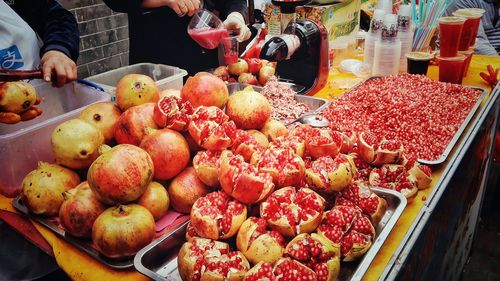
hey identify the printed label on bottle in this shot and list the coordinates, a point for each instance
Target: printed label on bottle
(404, 23)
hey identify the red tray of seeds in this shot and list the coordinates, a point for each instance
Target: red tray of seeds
(426, 116)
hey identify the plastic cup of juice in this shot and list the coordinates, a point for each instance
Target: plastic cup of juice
(230, 47)
(451, 69)
(468, 54)
(471, 26)
(206, 29)
(418, 62)
(450, 29)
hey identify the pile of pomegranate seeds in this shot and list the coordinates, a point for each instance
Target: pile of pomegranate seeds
(282, 99)
(421, 113)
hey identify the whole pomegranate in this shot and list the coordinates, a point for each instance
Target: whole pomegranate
(185, 189)
(131, 127)
(80, 209)
(239, 67)
(265, 73)
(123, 230)
(259, 137)
(248, 109)
(136, 89)
(222, 72)
(155, 199)
(43, 188)
(168, 150)
(75, 143)
(104, 116)
(205, 89)
(16, 97)
(121, 174)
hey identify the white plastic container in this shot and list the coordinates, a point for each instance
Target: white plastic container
(166, 77)
(388, 49)
(372, 36)
(23, 144)
(405, 34)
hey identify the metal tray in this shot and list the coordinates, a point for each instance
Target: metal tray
(120, 264)
(158, 260)
(314, 104)
(460, 130)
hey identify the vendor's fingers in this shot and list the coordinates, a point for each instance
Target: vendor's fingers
(47, 70)
(190, 7)
(177, 8)
(60, 75)
(183, 7)
(70, 72)
(194, 6)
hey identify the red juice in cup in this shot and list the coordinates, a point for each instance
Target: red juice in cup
(208, 38)
(230, 46)
(471, 26)
(451, 69)
(468, 54)
(450, 29)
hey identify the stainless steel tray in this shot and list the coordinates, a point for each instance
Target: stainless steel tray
(460, 130)
(120, 264)
(158, 260)
(314, 104)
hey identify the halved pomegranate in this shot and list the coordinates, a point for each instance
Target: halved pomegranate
(323, 142)
(422, 174)
(395, 177)
(190, 232)
(362, 167)
(245, 145)
(286, 168)
(206, 163)
(285, 269)
(327, 174)
(376, 151)
(243, 181)
(318, 253)
(349, 139)
(259, 244)
(173, 113)
(359, 194)
(293, 212)
(295, 143)
(217, 216)
(211, 129)
(205, 259)
(348, 229)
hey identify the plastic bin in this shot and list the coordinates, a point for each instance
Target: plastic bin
(24, 144)
(166, 77)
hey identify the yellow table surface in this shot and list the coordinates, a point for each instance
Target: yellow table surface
(80, 266)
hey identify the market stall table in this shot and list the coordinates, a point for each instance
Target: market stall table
(415, 234)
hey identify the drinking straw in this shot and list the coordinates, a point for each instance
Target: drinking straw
(426, 18)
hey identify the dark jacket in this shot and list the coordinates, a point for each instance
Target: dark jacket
(160, 36)
(55, 25)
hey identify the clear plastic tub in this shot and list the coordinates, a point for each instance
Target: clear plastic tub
(24, 144)
(166, 77)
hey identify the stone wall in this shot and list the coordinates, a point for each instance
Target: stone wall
(104, 41)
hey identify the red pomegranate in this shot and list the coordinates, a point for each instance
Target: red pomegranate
(123, 230)
(285, 167)
(239, 67)
(362, 167)
(222, 72)
(173, 113)
(205, 259)
(359, 194)
(193, 146)
(274, 129)
(80, 209)
(395, 177)
(259, 137)
(155, 199)
(131, 126)
(206, 163)
(104, 116)
(211, 129)
(190, 232)
(323, 142)
(136, 89)
(217, 216)
(293, 212)
(296, 144)
(285, 269)
(246, 145)
(376, 151)
(168, 150)
(349, 139)
(185, 189)
(243, 181)
(259, 244)
(121, 174)
(205, 89)
(422, 174)
(248, 109)
(170, 92)
(316, 252)
(349, 230)
(329, 175)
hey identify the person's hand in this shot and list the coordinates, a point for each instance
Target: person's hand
(236, 22)
(180, 7)
(61, 65)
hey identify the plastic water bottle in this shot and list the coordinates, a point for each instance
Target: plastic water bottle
(385, 5)
(405, 34)
(388, 48)
(372, 36)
